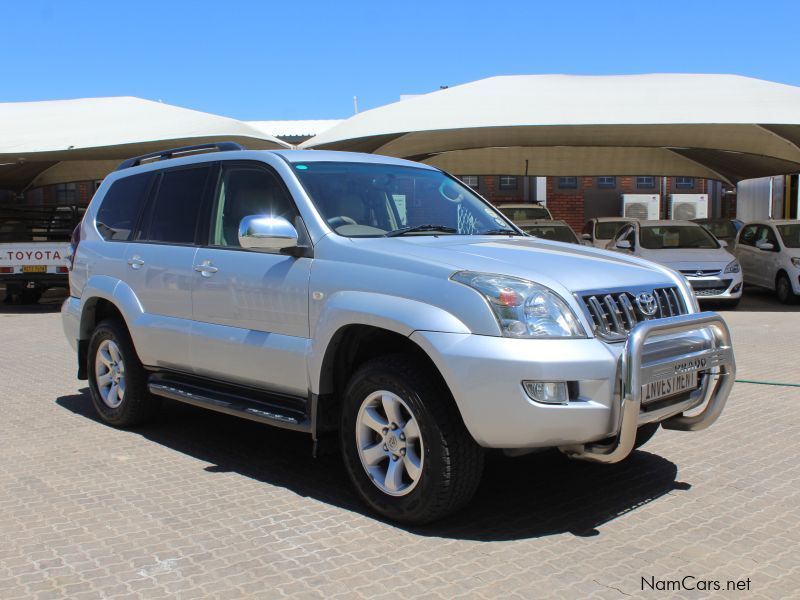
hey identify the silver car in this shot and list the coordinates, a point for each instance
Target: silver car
(382, 306)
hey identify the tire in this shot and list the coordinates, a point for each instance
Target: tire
(110, 345)
(31, 296)
(783, 289)
(439, 450)
(645, 433)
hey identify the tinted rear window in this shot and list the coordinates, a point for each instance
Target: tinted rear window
(117, 215)
(172, 216)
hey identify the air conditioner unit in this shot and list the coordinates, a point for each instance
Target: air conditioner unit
(684, 207)
(646, 207)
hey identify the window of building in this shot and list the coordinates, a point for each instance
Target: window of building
(567, 183)
(508, 182)
(606, 182)
(174, 211)
(66, 193)
(646, 183)
(684, 182)
(117, 215)
(471, 180)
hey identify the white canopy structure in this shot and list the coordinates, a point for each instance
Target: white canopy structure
(71, 140)
(722, 127)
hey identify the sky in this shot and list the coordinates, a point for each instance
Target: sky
(268, 60)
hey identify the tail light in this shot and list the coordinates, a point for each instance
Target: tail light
(74, 240)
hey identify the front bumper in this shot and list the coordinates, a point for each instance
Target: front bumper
(715, 384)
(726, 286)
(485, 375)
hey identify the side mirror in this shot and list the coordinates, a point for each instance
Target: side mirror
(723, 243)
(766, 246)
(623, 245)
(586, 236)
(263, 232)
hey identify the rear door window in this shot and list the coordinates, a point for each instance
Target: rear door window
(171, 217)
(121, 206)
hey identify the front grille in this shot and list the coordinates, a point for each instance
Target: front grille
(711, 291)
(710, 288)
(614, 314)
(700, 272)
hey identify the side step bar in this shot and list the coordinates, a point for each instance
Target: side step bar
(239, 402)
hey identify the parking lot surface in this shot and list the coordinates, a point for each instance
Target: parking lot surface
(203, 505)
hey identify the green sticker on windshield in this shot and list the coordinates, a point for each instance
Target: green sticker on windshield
(301, 167)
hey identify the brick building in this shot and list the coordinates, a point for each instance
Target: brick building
(577, 199)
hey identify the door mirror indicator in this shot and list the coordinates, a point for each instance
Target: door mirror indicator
(623, 245)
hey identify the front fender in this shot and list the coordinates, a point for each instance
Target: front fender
(399, 315)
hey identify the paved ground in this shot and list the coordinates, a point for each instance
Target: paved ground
(202, 505)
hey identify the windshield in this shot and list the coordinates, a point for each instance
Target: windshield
(790, 234)
(721, 229)
(605, 230)
(559, 233)
(524, 213)
(370, 200)
(661, 237)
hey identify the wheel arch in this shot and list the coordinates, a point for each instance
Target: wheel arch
(351, 346)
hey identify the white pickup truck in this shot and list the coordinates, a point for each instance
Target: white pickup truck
(34, 249)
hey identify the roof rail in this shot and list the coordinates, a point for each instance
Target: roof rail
(166, 154)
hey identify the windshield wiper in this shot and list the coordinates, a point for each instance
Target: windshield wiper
(498, 232)
(416, 228)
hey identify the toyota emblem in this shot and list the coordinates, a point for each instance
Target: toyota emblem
(699, 274)
(647, 304)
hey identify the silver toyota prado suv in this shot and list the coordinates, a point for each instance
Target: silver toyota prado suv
(382, 304)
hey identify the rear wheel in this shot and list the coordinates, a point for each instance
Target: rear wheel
(404, 444)
(783, 289)
(117, 380)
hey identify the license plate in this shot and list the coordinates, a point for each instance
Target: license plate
(34, 269)
(668, 386)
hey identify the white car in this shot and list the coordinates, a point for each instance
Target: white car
(684, 246)
(598, 232)
(769, 252)
(525, 212)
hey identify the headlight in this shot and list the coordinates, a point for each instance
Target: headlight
(524, 309)
(796, 262)
(733, 267)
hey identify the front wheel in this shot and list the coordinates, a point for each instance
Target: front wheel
(783, 289)
(645, 433)
(404, 444)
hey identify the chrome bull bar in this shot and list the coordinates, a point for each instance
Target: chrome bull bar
(716, 387)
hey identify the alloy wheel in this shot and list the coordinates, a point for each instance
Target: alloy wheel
(389, 443)
(109, 373)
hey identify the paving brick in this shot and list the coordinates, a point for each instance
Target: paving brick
(202, 505)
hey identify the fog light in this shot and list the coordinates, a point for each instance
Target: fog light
(547, 392)
(736, 288)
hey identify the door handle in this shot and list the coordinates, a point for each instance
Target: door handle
(135, 262)
(205, 268)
